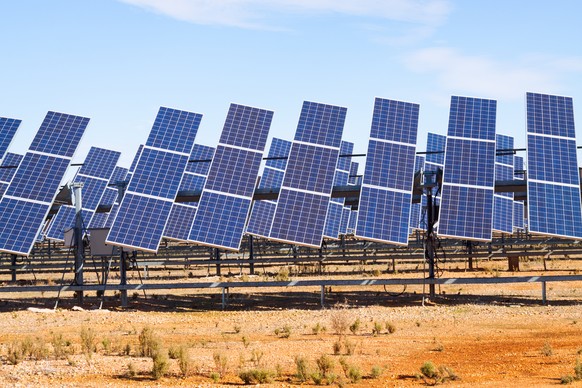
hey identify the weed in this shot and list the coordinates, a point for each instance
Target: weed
(278, 370)
(215, 376)
(221, 363)
(340, 320)
(106, 342)
(547, 349)
(236, 329)
(355, 327)
(433, 375)
(59, 346)
(324, 364)
(376, 372)
(350, 347)
(578, 370)
(14, 355)
(131, 372)
(282, 275)
(429, 369)
(390, 327)
(337, 347)
(127, 349)
(149, 344)
(318, 329)
(161, 364)
(302, 369)
(174, 352)
(376, 273)
(568, 379)
(354, 374)
(256, 357)
(256, 376)
(317, 378)
(439, 348)
(245, 341)
(377, 329)
(87, 342)
(344, 364)
(283, 332)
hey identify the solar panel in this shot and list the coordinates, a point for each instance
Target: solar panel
(503, 202)
(336, 205)
(9, 164)
(466, 210)
(386, 194)
(416, 208)
(518, 206)
(8, 128)
(308, 180)
(142, 215)
(226, 199)
(110, 198)
(262, 212)
(182, 214)
(553, 181)
(94, 175)
(29, 197)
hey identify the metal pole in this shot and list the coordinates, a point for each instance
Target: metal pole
(78, 239)
(123, 276)
(322, 296)
(429, 250)
(13, 269)
(470, 254)
(251, 256)
(544, 301)
(217, 257)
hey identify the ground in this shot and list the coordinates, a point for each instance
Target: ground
(490, 335)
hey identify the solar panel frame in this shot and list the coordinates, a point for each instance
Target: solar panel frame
(466, 208)
(308, 181)
(8, 128)
(155, 181)
(386, 191)
(553, 181)
(226, 198)
(23, 213)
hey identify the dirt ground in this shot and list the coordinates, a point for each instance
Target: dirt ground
(494, 335)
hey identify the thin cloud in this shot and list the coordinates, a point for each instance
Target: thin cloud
(479, 75)
(255, 14)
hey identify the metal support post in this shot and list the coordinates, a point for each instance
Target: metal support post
(470, 254)
(251, 255)
(13, 269)
(322, 296)
(123, 276)
(217, 258)
(544, 295)
(430, 243)
(78, 239)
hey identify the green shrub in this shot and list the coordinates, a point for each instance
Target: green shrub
(59, 346)
(547, 349)
(215, 376)
(390, 327)
(337, 347)
(324, 364)
(340, 320)
(283, 332)
(87, 341)
(578, 370)
(429, 369)
(568, 379)
(14, 355)
(161, 364)
(377, 329)
(355, 327)
(317, 378)
(256, 376)
(375, 372)
(350, 347)
(354, 374)
(131, 372)
(149, 344)
(317, 329)
(221, 363)
(302, 368)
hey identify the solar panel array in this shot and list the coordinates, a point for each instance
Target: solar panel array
(109, 198)
(29, 197)
(182, 213)
(466, 210)
(386, 193)
(9, 164)
(226, 199)
(263, 212)
(8, 128)
(416, 208)
(335, 211)
(146, 206)
(308, 181)
(553, 181)
(503, 202)
(94, 175)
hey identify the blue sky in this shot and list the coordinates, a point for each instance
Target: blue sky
(118, 61)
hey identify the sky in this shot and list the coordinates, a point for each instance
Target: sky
(118, 61)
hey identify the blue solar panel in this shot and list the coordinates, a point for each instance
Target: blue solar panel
(352, 221)
(94, 175)
(9, 163)
(518, 215)
(518, 168)
(553, 182)
(354, 178)
(227, 196)
(503, 202)
(109, 197)
(29, 197)
(386, 194)
(8, 128)
(333, 220)
(142, 215)
(308, 181)
(466, 209)
(182, 214)
(262, 212)
(435, 147)
(345, 219)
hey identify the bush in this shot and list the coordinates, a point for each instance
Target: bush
(14, 355)
(161, 365)
(324, 364)
(377, 329)
(131, 372)
(568, 379)
(437, 375)
(354, 374)
(337, 347)
(350, 347)
(318, 329)
(283, 332)
(428, 369)
(282, 275)
(340, 320)
(547, 349)
(215, 376)
(221, 363)
(87, 341)
(256, 376)
(375, 372)
(578, 370)
(317, 378)
(59, 346)
(390, 327)
(355, 327)
(149, 345)
(302, 369)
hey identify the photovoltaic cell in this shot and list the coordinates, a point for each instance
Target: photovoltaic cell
(262, 212)
(308, 181)
(94, 175)
(333, 222)
(503, 202)
(142, 215)
(9, 164)
(8, 128)
(466, 210)
(227, 195)
(182, 214)
(386, 194)
(553, 181)
(29, 196)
